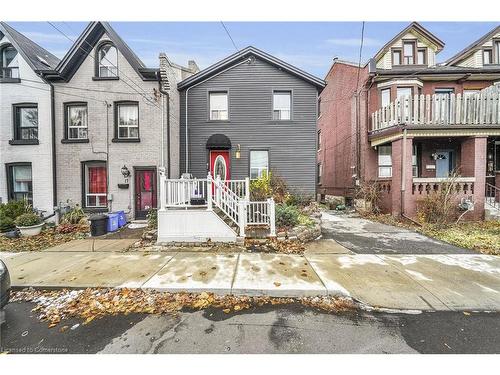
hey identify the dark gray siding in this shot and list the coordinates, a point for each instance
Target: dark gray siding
(291, 144)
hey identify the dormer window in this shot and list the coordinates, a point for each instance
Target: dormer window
(107, 58)
(409, 53)
(422, 56)
(9, 63)
(487, 56)
(497, 52)
(396, 57)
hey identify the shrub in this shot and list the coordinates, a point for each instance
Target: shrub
(269, 185)
(6, 224)
(28, 219)
(13, 209)
(370, 192)
(74, 216)
(152, 217)
(440, 207)
(286, 215)
(301, 200)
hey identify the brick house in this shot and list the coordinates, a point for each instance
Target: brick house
(407, 122)
(110, 137)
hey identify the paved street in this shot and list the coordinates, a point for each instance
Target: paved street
(293, 329)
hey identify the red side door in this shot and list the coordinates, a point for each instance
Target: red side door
(219, 164)
(145, 191)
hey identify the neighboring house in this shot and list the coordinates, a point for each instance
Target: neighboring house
(241, 118)
(109, 131)
(407, 122)
(248, 114)
(26, 148)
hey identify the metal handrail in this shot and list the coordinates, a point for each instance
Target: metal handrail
(492, 196)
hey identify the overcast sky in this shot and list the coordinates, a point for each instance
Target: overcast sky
(308, 45)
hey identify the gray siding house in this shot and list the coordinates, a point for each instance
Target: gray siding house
(247, 114)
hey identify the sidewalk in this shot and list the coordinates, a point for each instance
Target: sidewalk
(422, 282)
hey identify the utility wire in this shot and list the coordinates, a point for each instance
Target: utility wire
(143, 93)
(229, 35)
(360, 55)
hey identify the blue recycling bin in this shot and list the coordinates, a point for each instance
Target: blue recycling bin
(122, 219)
(112, 222)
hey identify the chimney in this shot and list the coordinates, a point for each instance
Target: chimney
(193, 66)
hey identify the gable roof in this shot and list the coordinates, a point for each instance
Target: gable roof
(472, 47)
(85, 43)
(242, 55)
(38, 58)
(414, 26)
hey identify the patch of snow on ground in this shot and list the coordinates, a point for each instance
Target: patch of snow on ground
(418, 275)
(329, 217)
(360, 260)
(478, 263)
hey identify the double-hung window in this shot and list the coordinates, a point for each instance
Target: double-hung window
(385, 161)
(259, 163)
(25, 122)
(422, 56)
(20, 183)
(497, 52)
(319, 140)
(487, 56)
(95, 180)
(385, 97)
(127, 120)
(218, 103)
(409, 53)
(76, 121)
(282, 105)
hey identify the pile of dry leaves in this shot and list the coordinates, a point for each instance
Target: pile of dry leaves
(89, 304)
(275, 246)
(48, 238)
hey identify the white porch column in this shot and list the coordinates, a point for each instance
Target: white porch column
(163, 192)
(272, 217)
(209, 192)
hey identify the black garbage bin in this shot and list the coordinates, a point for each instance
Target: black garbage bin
(98, 225)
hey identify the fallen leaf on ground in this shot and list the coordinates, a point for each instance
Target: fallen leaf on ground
(277, 283)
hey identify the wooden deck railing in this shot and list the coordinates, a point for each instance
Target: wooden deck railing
(482, 108)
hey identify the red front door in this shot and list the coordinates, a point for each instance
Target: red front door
(145, 191)
(219, 164)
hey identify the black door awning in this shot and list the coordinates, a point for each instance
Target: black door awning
(218, 142)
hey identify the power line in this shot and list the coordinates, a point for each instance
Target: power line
(360, 54)
(229, 35)
(143, 93)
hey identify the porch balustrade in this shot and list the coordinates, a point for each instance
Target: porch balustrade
(231, 197)
(482, 108)
(425, 186)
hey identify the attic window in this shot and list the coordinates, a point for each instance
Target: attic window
(8, 62)
(487, 56)
(422, 56)
(107, 58)
(409, 53)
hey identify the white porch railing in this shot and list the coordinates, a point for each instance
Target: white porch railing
(482, 108)
(232, 197)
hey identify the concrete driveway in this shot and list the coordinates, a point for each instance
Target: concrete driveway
(367, 237)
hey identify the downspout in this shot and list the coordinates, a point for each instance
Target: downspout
(403, 174)
(165, 96)
(186, 104)
(54, 154)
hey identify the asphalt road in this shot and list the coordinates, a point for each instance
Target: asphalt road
(367, 237)
(293, 329)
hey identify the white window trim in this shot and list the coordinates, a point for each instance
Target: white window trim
(384, 166)
(280, 111)
(97, 195)
(127, 126)
(69, 126)
(259, 169)
(219, 112)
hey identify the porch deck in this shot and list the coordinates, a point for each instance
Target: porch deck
(181, 200)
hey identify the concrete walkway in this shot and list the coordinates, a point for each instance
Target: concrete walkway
(422, 282)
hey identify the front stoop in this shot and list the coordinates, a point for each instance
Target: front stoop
(195, 225)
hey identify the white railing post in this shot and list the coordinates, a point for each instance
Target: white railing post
(217, 190)
(242, 216)
(209, 192)
(247, 189)
(163, 190)
(272, 217)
